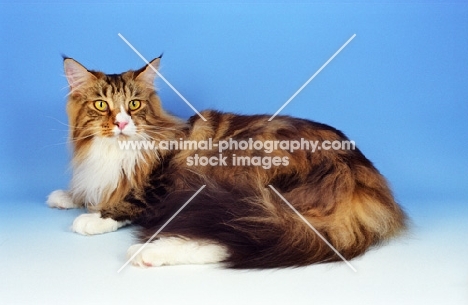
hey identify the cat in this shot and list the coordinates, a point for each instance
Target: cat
(237, 219)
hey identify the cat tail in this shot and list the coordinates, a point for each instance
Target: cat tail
(260, 230)
(352, 208)
(253, 227)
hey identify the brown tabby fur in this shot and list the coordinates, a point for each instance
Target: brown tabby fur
(339, 192)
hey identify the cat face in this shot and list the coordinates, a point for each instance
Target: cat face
(120, 106)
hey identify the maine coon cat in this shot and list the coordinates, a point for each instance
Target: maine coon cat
(236, 219)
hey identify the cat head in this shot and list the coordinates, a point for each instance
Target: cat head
(117, 106)
(104, 109)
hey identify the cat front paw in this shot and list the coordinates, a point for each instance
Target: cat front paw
(61, 199)
(93, 223)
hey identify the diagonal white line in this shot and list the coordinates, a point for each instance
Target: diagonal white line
(312, 77)
(160, 229)
(313, 229)
(162, 77)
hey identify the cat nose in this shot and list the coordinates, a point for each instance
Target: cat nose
(121, 125)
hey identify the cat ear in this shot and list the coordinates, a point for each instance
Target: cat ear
(148, 73)
(76, 74)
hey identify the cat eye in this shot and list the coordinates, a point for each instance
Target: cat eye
(101, 105)
(134, 105)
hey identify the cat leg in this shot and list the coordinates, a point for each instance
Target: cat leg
(93, 223)
(177, 251)
(61, 199)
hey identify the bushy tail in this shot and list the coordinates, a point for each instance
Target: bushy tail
(261, 231)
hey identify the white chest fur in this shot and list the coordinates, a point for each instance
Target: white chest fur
(98, 173)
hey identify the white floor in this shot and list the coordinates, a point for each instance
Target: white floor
(42, 262)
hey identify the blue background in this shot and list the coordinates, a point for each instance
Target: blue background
(399, 89)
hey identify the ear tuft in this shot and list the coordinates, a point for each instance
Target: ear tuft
(148, 73)
(76, 74)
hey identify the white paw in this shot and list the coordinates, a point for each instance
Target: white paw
(91, 224)
(176, 251)
(61, 200)
(147, 257)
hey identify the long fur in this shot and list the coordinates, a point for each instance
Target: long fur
(339, 192)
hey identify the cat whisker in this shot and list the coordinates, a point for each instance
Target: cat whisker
(158, 127)
(71, 141)
(65, 124)
(84, 137)
(155, 133)
(53, 145)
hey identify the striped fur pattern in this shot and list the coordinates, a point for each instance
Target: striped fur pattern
(339, 192)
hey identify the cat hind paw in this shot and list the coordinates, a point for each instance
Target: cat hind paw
(145, 255)
(176, 251)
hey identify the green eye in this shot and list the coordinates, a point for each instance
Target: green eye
(134, 105)
(101, 105)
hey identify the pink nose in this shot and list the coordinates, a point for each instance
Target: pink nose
(121, 125)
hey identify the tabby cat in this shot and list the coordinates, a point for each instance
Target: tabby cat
(237, 219)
